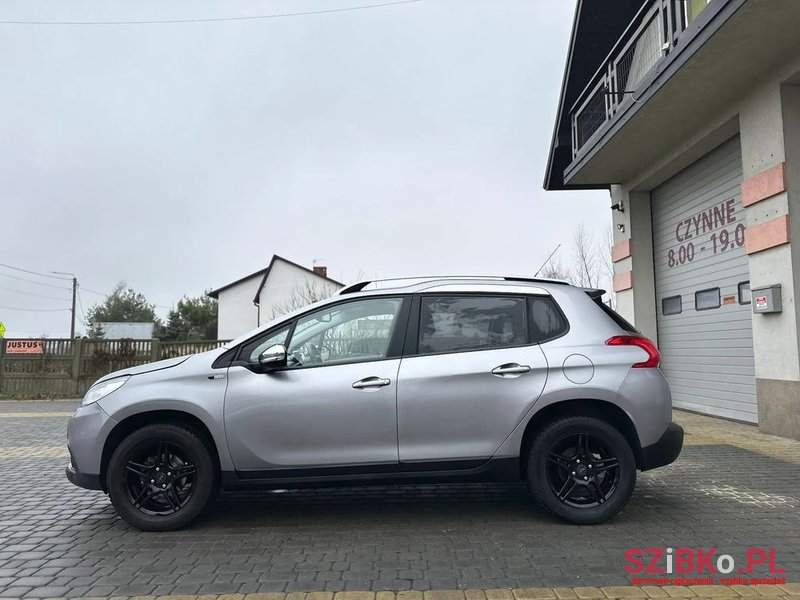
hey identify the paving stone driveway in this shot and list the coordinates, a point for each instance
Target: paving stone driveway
(58, 540)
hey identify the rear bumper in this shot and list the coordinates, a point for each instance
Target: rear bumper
(665, 450)
(90, 482)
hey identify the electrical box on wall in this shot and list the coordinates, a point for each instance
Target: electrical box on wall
(767, 299)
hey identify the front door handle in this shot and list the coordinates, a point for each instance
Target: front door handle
(371, 382)
(510, 369)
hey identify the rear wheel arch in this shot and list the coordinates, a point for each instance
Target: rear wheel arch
(599, 409)
(173, 417)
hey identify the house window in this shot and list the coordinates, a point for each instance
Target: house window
(694, 8)
(706, 299)
(671, 306)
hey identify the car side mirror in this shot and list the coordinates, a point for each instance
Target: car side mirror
(273, 357)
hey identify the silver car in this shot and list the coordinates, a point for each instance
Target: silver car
(395, 381)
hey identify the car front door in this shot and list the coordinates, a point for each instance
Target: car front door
(334, 405)
(467, 379)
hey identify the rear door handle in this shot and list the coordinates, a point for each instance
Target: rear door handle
(510, 369)
(371, 382)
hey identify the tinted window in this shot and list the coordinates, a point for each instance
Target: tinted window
(547, 321)
(671, 305)
(350, 332)
(706, 299)
(458, 323)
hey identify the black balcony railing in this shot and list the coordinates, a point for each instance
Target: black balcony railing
(650, 36)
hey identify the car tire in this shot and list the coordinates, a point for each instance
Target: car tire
(161, 477)
(582, 469)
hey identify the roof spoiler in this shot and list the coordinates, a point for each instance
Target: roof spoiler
(593, 293)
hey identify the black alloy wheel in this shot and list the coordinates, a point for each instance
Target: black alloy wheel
(161, 477)
(582, 469)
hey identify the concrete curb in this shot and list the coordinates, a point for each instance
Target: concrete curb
(787, 591)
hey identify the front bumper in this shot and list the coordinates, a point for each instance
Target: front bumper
(87, 431)
(665, 450)
(90, 482)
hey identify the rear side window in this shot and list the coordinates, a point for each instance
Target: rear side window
(546, 319)
(614, 316)
(461, 323)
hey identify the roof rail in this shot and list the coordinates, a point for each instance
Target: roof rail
(360, 285)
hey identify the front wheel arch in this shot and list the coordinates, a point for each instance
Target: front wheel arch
(172, 417)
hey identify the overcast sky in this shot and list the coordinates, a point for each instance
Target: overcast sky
(401, 140)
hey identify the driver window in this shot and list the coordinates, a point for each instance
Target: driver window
(351, 332)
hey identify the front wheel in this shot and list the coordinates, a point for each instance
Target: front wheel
(161, 477)
(582, 469)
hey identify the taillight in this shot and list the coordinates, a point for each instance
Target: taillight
(653, 356)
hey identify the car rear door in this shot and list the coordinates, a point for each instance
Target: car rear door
(468, 376)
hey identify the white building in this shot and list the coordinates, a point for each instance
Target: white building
(130, 331)
(261, 296)
(689, 113)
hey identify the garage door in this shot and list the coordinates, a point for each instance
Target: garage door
(702, 287)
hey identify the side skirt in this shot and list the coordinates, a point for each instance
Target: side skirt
(495, 470)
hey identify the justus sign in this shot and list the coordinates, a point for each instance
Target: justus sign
(24, 346)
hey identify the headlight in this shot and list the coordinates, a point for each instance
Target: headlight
(101, 390)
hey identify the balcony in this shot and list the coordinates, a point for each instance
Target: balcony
(648, 39)
(669, 89)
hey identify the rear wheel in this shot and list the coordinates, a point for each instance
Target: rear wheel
(161, 477)
(582, 469)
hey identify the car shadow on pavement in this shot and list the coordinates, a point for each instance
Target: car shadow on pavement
(375, 503)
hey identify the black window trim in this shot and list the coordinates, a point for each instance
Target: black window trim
(749, 299)
(665, 298)
(412, 337)
(394, 352)
(615, 317)
(711, 289)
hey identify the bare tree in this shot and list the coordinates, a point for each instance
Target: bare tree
(554, 270)
(302, 295)
(585, 259)
(590, 264)
(607, 264)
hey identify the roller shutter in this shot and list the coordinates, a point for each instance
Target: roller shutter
(704, 330)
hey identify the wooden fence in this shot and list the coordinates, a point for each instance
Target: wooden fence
(66, 368)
